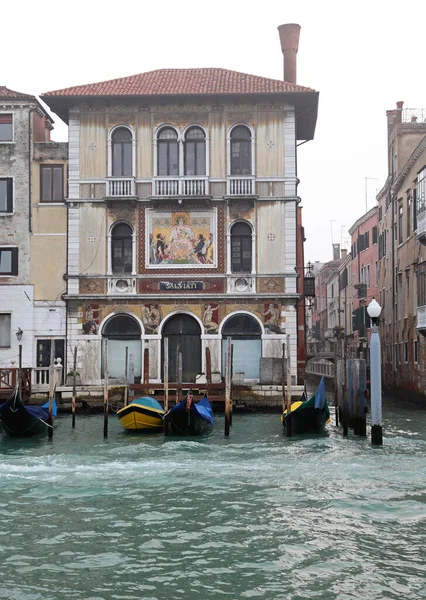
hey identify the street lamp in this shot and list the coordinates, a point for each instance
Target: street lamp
(19, 334)
(374, 309)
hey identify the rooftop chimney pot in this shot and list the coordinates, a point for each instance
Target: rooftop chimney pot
(400, 104)
(289, 38)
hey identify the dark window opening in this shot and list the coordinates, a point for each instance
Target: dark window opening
(241, 151)
(6, 195)
(51, 183)
(6, 127)
(241, 248)
(168, 153)
(122, 153)
(195, 152)
(121, 249)
(122, 327)
(8, 261)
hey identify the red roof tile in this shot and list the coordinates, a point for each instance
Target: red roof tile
(176, 82)
(11, 95)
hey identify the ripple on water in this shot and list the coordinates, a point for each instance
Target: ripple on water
(255, 515)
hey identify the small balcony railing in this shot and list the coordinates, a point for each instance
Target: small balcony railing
(180, 186)
(117, 187)
(421, 318)
(421, 227)
(240, 186)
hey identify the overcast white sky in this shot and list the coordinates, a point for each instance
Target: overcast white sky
(362, 57)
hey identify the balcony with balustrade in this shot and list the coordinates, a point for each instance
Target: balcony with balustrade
(172, 187)
(121, 187)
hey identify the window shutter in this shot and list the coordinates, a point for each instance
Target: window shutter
(414, 209)
(10, 194)
(14, 261)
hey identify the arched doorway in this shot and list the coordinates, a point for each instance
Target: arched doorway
(184, 331)
(245, 333)
(122, 331)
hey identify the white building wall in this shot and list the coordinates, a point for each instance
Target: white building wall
(18, 300)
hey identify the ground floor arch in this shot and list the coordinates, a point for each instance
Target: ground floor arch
(122, 330)
(246, 338)
(183, 332)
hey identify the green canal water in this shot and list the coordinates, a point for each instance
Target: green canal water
(252, 516)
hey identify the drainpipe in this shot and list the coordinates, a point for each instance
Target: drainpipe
(30, 166)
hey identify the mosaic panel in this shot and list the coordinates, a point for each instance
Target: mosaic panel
(93, 286)
(181, 230)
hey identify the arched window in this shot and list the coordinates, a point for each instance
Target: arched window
(241, 248)
(121, 249)
(168, 153)
(240, 151)
(195, 152)
(122, 153)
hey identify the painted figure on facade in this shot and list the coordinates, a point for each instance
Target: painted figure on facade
(181, 239)
(272, 322)
(198, 248)
(207, 251)
(152, 249)
(160, 249)
(208, 322)
(151, 318)
(90, 326)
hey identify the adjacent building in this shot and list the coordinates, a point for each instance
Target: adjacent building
(32, 231)
(183, 218)
(402, 255)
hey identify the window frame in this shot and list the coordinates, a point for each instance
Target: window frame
(14, 261)
(121, 239)
(241, 238)
(250, 142)
(52, 166)
(9, 195)
(117, 143)
(9, 314)
(12, 140)
(167, 143)
(196, 143)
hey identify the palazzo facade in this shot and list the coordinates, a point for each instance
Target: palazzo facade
(183, 220)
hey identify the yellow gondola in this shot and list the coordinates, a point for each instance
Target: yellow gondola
(142, 414)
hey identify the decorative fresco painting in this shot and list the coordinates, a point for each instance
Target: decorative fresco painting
(182, 239)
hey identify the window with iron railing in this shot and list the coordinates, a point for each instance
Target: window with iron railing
(421, 191)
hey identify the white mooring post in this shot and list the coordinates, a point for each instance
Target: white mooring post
(374, 309)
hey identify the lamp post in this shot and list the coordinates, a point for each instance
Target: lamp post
(19, 334)
(374, 309)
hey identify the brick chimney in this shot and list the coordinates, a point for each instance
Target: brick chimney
(289, 38)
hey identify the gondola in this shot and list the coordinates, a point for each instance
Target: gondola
(21, 420)
(308, 415)
(142, 414)
(189, 417)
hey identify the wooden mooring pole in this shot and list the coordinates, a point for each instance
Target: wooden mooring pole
(178, 373)
(228, 380)
(20, 372)
(288, 388)
(126, 380)
(106, 400)
(335, 386)
(74, 379)
(166, 374)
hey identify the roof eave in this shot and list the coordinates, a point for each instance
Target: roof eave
(306, 103)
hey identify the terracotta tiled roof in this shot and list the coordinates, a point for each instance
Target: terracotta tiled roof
(11, 95)
(176, 82)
